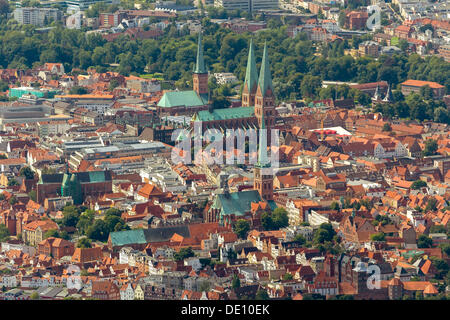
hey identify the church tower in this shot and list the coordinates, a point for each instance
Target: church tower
(200, 76)
(251, 79)
(264, 98)
(263, 177)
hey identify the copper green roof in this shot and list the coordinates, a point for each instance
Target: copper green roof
(251, 74)
(225, 114)
(181, 98)
(96, 176)
(237, 203)
(265, 78)
(200, 65)
(121, 238)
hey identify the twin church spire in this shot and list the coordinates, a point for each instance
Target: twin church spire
(258, 93)
(252, 82)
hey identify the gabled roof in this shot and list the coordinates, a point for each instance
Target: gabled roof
(225, 114)
(181, 98)
(128, 237)
(419, 83)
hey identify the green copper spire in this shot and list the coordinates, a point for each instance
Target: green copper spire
(265, 79)
(200, 65)
(251, 75)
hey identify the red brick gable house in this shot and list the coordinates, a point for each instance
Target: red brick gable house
(56, 247)
(83, 255)
(356, 229)
(333, 181)
(105, 290)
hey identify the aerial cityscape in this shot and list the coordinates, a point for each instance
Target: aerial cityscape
(225, 150)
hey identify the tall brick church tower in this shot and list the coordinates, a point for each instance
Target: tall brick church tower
(264, 98)
(200, 76)
(251, 79)
(263, 176)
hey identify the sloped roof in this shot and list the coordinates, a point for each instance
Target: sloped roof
(237, 203)
(181, 98)
(165, 233)
(225, 114)
(121, 238)
(141, 236)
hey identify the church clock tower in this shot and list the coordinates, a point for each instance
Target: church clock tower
(263, 175)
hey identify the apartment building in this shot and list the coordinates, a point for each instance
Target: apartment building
(247, 5)
(36, 16)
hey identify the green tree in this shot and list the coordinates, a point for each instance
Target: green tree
(231, 254)
(241, 228)
(85, 220)
(310, 86)
(266, 221)
(335, 206)
(431, 147)
(287, 276)
(441, 267)
(3, 85)
(438, 229)
(13, 182)
(204, 286)
(275, 220)
(378, 237)
(64, 235)
(13, 200)
(113, 212)
(114, 83)
(4, 233)
(84, 243)
(324, 233)
(341, 19)
(98, 231)
(236, 282)
(445, 248)
(70, 218)
(403, 45)
(262, 294)
(280, 218)
(78, 90)
(32, 195)
(51, 233)
(300, 238)
(387, 127)
(183, 254)
(418, 184)
(441, 115)
(424, 242)
(431, 205)
(34, 296)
